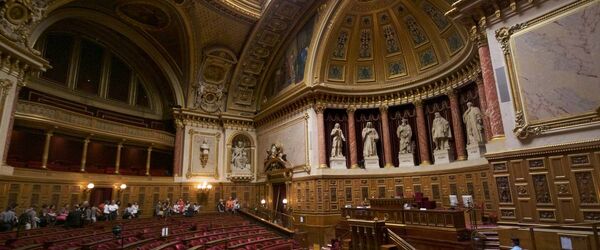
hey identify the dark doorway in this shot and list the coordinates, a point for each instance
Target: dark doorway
(279, 193)
(99, 195)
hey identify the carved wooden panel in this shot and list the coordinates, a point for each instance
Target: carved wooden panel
(526, 209)
(540, 185)
(558, 167)
(586, 188)
(568, 211)
(518, 171)
(504, 195)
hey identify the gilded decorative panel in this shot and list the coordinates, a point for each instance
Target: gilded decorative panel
(336, 72)
(427, 58)
(396, 68)
(365, 73)
(559, 50)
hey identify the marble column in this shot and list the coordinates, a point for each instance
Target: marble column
(483, 105)
(319, 109)
(49, 135)
(489, 85)
(352, 138)
(148, 159)
(118, 158)
(86, 142)
(457, 127)
(387, 143)
(178, 151)
(422, 134)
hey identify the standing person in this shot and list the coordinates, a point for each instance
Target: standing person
(106, 210)
(8, 218)
(236, 206)
(31, 216)
(229, 205)
(51, 215)
(87, 213)
(221, 206)
(95, 212)
(113, 209)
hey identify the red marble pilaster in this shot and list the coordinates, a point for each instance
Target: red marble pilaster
(178, 151)
(459, 134)
(483, 104)
(491, 95)
(352, 138)
(422, 134)
(387, 143)
(321, 133)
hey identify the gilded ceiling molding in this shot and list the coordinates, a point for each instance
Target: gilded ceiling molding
(287, 111)
(246, 10)
(487, 12)
(268, 35)
(185, 117)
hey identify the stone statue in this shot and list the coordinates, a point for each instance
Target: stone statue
(440, 132)
(370, 137)
(204, 148)
(239, 155)
(337, 137)
(404, 133)
(474, 124)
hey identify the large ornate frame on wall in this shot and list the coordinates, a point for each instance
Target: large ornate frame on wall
(550, 95)
(212, 162)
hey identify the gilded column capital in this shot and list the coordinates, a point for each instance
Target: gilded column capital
(351, 109)
(451, 93)
(478, 36)
(383, 108)
(418, 103)
(319, 108)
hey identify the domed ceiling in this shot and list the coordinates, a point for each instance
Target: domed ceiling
(377, 44)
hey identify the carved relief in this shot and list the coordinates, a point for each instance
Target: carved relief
(522, 190)
(585, 186)
(548, 215)
(503, 189)
(340, 49)
(591, 216)
(537, 163)
(499, 166)
(580, 160)
(216, 68)
(240, 163)
(507, 213)
(366, 44)
(18, 18)
(391, 40)
(562, 188)
(416, 32)
(540, 186)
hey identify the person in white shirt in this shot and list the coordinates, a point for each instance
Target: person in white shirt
(135, 209)
(113, 209)
(106, 210)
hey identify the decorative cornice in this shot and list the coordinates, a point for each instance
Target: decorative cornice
(545, 150)
(286, 111)
(184, 117)
(486, 12)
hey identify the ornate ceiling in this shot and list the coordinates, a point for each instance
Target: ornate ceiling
(357, 46)
(387, 44)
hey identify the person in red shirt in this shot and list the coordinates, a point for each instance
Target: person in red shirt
(229, 205)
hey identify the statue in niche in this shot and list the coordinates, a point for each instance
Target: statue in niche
(440, 131)
(474, 124)
(404, 133)
(337, 138)
(370, 137)
(239, 155)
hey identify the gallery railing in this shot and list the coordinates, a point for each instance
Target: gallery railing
(448, 219)
(274, 217)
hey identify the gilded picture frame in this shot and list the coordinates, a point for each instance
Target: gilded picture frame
(530, 94)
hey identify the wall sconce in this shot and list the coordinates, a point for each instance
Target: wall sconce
(121, 188)
(204, 187)
(285, 201)
(89, 187)
(263, 202)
